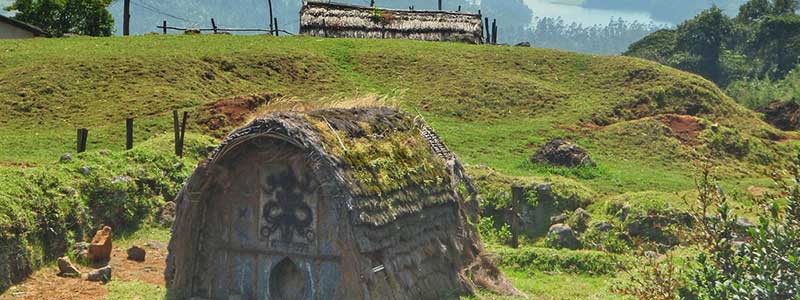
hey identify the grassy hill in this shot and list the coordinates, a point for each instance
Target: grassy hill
(644, 124)
(493, 105)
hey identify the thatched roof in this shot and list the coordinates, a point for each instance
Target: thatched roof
(391, 164)
(343, 20)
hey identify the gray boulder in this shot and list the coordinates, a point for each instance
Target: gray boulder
(562, 236)
(66, 268)
(562, 153)
(103, 274)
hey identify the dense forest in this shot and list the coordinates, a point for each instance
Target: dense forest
(750, 54)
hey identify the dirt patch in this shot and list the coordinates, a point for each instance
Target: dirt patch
(44, 284)
(685, 128)
(784, 115)
(22, 165)
(224, 115)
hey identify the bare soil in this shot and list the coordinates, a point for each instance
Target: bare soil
(44, 284)
(685, 128)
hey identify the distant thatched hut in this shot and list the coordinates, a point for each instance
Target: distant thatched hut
(350, 21)
(332, 204)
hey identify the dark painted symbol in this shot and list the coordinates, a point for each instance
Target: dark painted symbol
(288, 214)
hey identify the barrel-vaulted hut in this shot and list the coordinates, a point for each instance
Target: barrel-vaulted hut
(331, 204)
(326, 19)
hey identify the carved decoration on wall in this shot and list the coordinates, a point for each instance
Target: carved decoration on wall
(287, 217)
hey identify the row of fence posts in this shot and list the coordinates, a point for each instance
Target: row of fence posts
(179, 129)
(491, 32)
(274, 30)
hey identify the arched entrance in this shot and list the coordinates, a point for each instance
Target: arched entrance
(286, 281)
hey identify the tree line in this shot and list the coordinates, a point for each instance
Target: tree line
(762, 42)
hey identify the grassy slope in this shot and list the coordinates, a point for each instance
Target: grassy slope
(492, 105)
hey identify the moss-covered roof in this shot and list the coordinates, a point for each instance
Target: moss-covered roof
(387, 161)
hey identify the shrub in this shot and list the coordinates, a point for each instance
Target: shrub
(532, 259)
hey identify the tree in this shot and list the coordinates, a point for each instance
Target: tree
(785, 7)
(753, 10)
(702, 39)
(84, 17)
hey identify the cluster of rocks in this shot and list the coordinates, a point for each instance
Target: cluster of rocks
(96, 253)
(562, 153)
(564, 229)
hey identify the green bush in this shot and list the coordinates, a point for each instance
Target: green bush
(533, 259)
(766, 266)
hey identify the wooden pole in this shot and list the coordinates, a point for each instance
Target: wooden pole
(372, 3)
(79, 142)
(165, 27)
(128, 133)
(175, 131)
(183, 132)
(214, 25)
(126, 18)
(494, 32)
(517, 196)
(459, 8)
(440, 4)
(269, 2)
(277, 33)
(488, 31)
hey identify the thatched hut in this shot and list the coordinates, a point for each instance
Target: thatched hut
(350, 21)
(331, 204)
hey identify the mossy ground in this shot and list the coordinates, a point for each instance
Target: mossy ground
(492, 105)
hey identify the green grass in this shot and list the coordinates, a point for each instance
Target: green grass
(493, 105)
(558, 286)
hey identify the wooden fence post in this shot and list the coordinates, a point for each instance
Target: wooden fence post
(488, 31)
(214, 25)
(277, 33)
(165, 27)
(175, 130)
(494, 32)
(83, 136)
(128, 133)
(517, 197)
(183, 132)
(440, 5)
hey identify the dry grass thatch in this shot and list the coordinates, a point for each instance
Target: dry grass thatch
(341, 20)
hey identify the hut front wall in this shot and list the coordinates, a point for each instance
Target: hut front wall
(267, 231)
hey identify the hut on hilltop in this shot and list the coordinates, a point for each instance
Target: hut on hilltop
(350, 21)
(331, 204)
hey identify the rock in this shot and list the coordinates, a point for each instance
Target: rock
(744, 223)
(85, 170)
(156, 245)
(105, 152)
(66, 268)
(103, 274)
(167, 215)
(66, 157)
(121, 179)
(559, 219)
(191, 31)
(784, 115)
(603, 226)
(523, 44)
(562, 153)
(136, 253)
(651, 254)
(623, 213)
(562, 236)
(81, 252)
(100, 247)
(580, 220)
